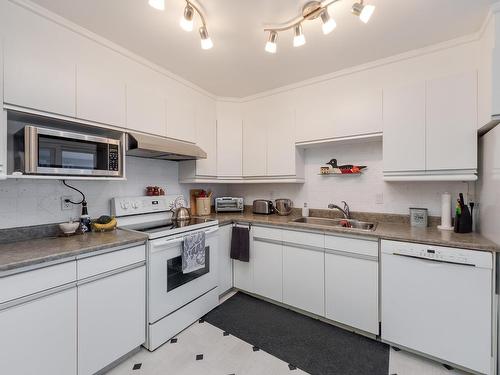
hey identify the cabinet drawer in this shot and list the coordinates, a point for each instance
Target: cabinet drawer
(30, 282)
(304, 238)
(352, 245)
(267, 233)
(107, 262)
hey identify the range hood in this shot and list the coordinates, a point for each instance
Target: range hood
(495, 120)
(149, 146)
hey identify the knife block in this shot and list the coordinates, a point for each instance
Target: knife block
(463, 222)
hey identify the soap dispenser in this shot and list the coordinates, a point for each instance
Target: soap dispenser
(305, 210)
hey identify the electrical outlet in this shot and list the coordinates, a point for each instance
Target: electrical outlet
(66, 205)
(379, 198)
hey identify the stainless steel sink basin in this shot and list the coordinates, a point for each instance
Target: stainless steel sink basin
(337, 223)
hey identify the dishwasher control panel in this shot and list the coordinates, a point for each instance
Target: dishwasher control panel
(439, 253)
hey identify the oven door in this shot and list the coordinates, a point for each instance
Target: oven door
(169, 289)
(49, 151)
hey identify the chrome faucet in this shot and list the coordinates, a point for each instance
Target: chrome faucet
(345, 211)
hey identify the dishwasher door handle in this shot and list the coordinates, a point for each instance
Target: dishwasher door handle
(434, 260)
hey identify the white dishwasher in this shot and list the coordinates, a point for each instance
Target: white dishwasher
(438, 301)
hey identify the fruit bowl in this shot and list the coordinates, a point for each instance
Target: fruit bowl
(104, 224)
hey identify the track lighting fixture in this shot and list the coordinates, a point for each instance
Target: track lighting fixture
(311, 11)
(187, 20)
(271, 42)
(157, 4)
(364, 12)
(329, 24)
(206, 41)
(299, 39)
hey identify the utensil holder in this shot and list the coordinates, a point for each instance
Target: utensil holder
(203, 207)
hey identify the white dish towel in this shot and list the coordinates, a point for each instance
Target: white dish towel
(193, 252)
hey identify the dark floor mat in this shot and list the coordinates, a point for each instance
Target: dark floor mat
(311, 345)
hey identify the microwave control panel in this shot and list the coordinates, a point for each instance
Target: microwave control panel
(113, 159)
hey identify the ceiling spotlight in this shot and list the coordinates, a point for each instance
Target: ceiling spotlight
(157, 4)
(271, 42)
(364, 12)
(187, 20)
(299, 39)
(206, 41)
(329, 24)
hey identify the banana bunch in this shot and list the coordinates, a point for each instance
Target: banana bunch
(104, 224)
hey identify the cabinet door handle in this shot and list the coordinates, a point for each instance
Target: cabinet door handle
(352, 255)
(39, 295)
(110, 273)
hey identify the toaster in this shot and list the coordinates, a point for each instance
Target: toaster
(262, 206)
(229, 204)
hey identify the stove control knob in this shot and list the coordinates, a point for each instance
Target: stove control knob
(125, 205)
(135, 205)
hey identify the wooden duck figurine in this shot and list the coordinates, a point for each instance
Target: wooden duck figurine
(345, 167)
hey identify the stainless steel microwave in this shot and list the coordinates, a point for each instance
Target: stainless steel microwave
(46, 151)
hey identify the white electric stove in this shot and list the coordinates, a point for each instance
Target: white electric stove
(175, 299)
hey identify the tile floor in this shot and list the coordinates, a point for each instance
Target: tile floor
(203, 349)
(206, 350)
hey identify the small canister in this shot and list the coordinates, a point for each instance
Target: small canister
(418, 217)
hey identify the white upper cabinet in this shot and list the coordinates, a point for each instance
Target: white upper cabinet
(181, 113)
(430, 129)
(451, 135)
(100, 86)
(40, 66)
(281, 150)
(229, 139)
(206, 134)
(269, 138)
(338, 108)
(404, 128)
(146, 109)
(255, 139)
(356, 111)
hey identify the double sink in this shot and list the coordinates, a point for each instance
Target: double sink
(337, 223)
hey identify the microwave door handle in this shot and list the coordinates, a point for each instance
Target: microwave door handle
(30, 149)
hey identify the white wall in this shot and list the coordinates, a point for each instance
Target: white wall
(33, 202)
(361, 192)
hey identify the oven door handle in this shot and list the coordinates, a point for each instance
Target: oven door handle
(212, 230)
(157, 246)
(164, 244)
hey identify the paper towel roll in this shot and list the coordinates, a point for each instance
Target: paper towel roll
(445, 212)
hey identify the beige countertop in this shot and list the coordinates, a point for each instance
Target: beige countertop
(19, 254)
(393, 229)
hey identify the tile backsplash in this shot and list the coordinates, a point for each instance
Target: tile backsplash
(367, 192)
(26, 202)
(33, 202)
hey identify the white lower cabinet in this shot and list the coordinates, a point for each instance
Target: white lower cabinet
(351, 282)
(331, 276)
(304, 271)
(111, 319)
(39, 337)
(225, 265)
(243, 273)
(268, 268)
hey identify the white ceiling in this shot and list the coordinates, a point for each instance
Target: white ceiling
(238, 66)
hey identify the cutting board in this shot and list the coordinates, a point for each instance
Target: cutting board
(192, 200)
